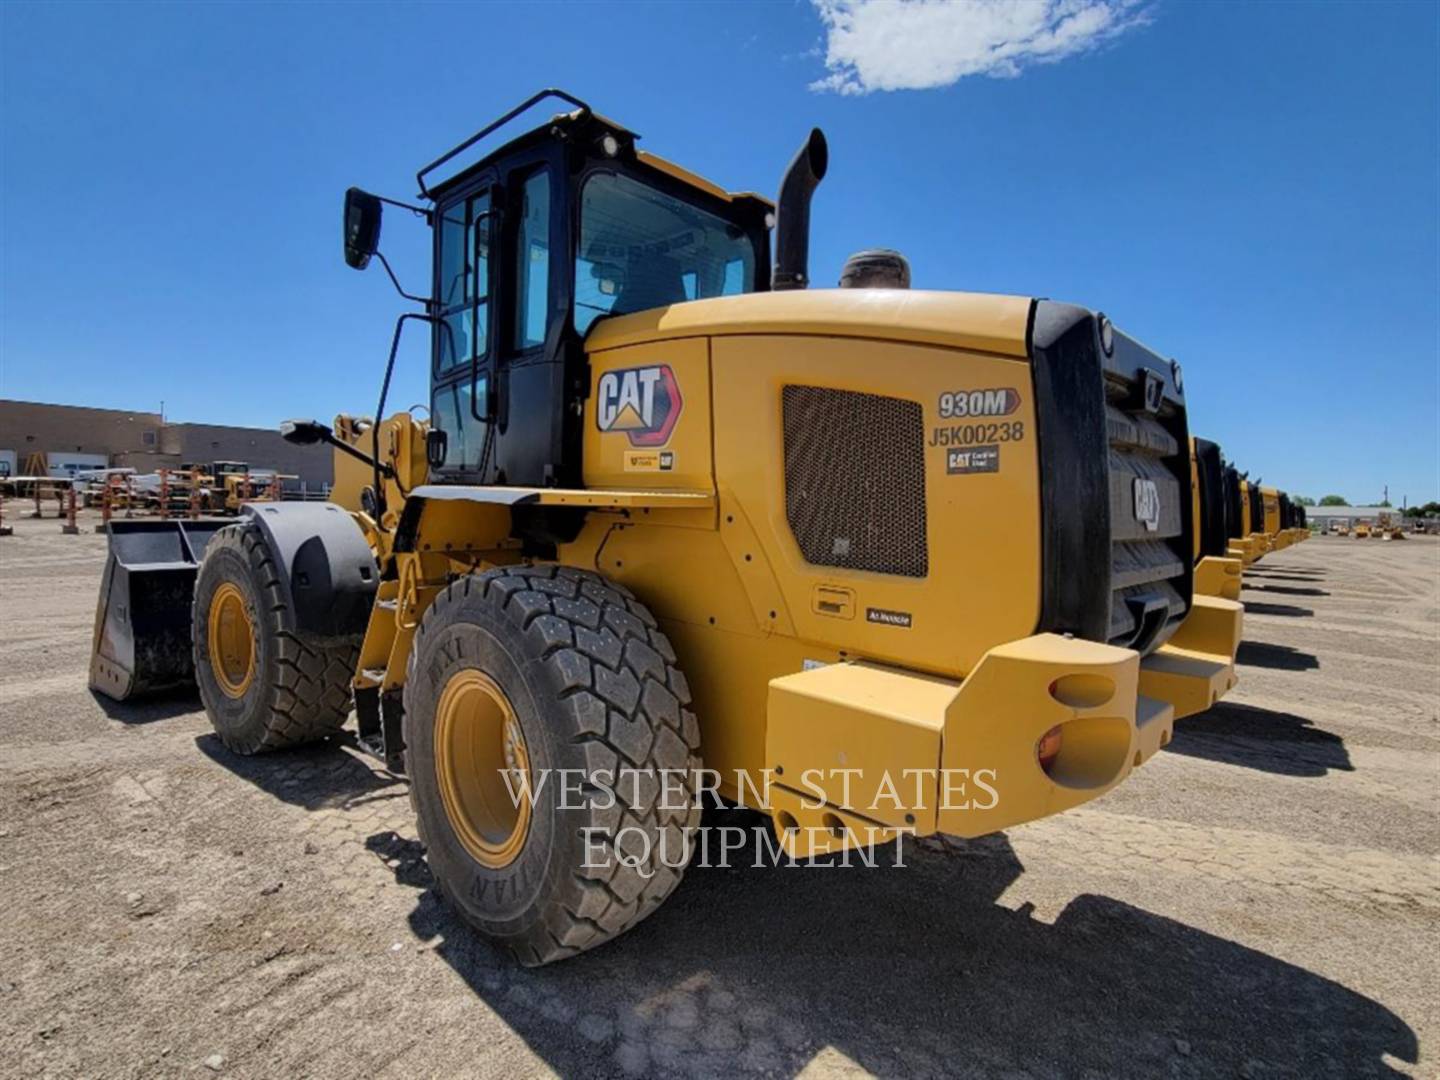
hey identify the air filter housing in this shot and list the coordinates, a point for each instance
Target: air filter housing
(877, 268)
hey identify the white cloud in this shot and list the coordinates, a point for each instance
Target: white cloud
(920, 44)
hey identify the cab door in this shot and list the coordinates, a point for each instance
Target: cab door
(462, 352)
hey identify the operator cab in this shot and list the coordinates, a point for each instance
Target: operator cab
(533, 243)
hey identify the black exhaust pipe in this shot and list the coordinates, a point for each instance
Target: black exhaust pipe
(792, 227)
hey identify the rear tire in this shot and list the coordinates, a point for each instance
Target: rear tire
(292, 687)
(594, 688)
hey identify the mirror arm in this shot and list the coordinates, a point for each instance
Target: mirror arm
(310, 432)
(380, 408)
(396, 282)
(360, 455)
(420, 210)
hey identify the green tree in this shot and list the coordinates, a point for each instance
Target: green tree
(1384, 502)
(1334, 500)
(1304, 500)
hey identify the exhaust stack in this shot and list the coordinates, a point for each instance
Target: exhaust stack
(792, 227)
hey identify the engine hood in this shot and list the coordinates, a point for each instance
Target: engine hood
(978, 321)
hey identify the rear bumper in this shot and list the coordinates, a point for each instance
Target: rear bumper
(1243, 549)
(1218, 577)
(1196, 667)
(862, 753)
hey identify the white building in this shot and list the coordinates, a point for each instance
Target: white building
(1324, 516)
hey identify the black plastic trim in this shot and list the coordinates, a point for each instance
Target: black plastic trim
(1075, 557)
(1212, 499)
(1233, 504)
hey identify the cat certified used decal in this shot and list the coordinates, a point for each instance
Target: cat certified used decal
(642, 402)
(972, 460)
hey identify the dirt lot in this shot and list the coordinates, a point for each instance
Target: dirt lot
(1262, 899)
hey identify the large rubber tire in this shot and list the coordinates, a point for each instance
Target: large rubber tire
(594, 685)
(300, 691)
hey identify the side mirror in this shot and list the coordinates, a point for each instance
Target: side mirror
(362, 227)
(437, 444)
(304, 432)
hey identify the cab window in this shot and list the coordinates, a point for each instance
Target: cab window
(532, 253)
(453, 412)
(640, 248)
(464, 282)
(462, 296)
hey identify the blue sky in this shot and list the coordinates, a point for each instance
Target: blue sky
(1250, 188)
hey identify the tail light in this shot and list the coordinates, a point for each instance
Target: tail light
(1048, 748)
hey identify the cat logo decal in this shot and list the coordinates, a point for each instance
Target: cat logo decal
(642, 402)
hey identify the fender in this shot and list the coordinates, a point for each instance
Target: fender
(552, 514)
(326, 566)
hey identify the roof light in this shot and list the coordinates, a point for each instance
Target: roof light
(610, 145)
(1107, 335)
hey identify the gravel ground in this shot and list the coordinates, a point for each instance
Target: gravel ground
(1262, 899)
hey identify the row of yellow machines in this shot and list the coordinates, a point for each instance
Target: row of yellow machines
(1239, 522)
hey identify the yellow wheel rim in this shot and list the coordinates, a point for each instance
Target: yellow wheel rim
(232, 641)
(478, 743)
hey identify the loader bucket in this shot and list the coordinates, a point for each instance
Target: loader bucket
(142, 620)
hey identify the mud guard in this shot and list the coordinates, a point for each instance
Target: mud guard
(326, 565)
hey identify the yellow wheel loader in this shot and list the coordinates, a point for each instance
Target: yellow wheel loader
(1243, 543)
(679, 526)
(1217, 566)
(1292, 519)
(1196, 667)
(1254, 520)
(1276, 535)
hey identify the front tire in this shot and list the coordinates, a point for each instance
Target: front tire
(565, 675)
(265, 684)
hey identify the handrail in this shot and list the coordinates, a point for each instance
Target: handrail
(496, 125)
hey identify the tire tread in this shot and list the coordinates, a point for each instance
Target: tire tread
(619, 680)
(310, 697)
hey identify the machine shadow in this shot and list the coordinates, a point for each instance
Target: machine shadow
(320, 776)
(1289, 611)
(1289, 590)
(1263, 739)
(910, 969)
(1292, 575)
(1280, 657)
(165, 706)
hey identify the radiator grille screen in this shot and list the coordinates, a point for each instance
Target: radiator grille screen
(855, 479)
